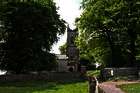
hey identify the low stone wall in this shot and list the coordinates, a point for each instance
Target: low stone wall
(110, 72)
(51, 76)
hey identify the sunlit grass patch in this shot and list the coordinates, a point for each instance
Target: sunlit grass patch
(44, 87)
(131, 88)
(93, 73)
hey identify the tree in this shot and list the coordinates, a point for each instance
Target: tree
(29, 28)
(111, 28)
(63, 49)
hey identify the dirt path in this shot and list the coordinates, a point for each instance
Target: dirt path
(110, 87)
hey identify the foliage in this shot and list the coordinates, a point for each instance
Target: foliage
(63, 49)
(118, 78)
(108, 30)
(131, 88)
(44, 87)
(93, 73)
(29, 28)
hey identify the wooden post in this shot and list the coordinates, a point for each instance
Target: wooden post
(92, 84)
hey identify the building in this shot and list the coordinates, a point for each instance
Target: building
(72, 50)
(70, 61)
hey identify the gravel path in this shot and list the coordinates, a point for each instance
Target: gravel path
(110, 87)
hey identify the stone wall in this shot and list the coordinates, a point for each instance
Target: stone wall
(110, 72)
(51, 76)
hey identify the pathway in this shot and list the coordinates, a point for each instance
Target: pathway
(111, 87)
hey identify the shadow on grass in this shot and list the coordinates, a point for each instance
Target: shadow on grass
(35, 86)
(27, 87)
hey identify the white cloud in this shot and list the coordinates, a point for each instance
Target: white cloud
(69, 10)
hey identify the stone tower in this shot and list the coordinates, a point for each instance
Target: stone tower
(72, 50)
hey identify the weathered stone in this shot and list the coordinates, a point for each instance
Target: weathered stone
(109, 72)
(92, 84)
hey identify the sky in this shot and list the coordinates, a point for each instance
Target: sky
(68, 10)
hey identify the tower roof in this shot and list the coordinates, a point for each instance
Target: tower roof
(71, 30)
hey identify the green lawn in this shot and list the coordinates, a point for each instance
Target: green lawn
(131, 88)
(44, 87)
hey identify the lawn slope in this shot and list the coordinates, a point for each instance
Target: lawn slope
(44, 87)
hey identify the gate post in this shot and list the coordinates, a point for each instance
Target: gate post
(92, 84)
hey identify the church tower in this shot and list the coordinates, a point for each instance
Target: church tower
(72, 50)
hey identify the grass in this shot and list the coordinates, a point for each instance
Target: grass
(118, 78)
(44, 87)
(131, 88)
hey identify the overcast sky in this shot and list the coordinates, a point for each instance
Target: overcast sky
(69, 10)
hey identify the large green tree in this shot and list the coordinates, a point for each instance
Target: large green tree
(109, 28)
(29, 28)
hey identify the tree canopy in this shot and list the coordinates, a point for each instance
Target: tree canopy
(109, 31)
(28, 30)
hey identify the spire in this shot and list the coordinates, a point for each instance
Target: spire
(68, 28)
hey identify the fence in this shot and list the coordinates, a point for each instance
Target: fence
(111, 72)
(41, 76)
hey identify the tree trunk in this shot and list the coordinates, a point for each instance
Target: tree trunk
(132, 47)
(111, 48)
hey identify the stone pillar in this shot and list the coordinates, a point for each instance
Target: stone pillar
(92, 84)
